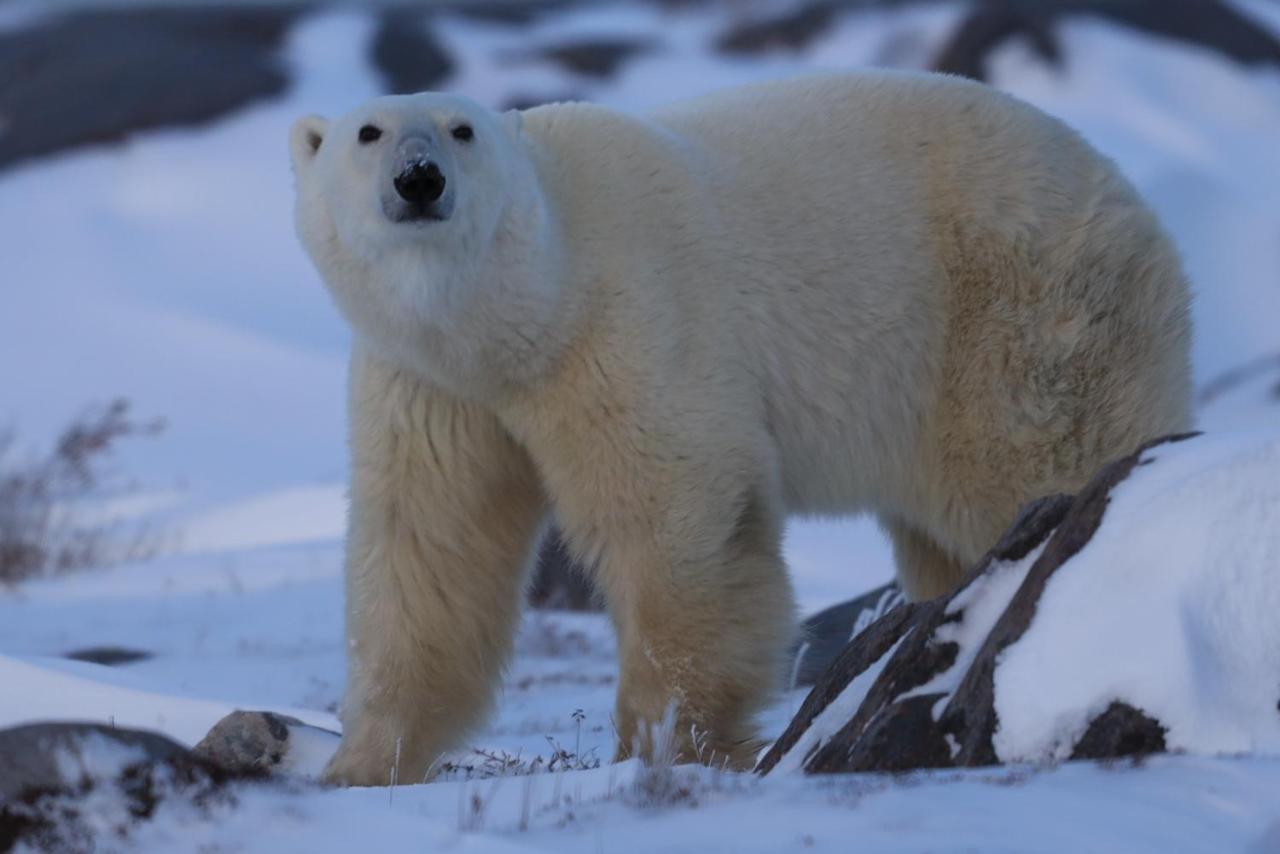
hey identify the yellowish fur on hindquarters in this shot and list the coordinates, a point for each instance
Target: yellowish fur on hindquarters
(900, 294)
(925, 570)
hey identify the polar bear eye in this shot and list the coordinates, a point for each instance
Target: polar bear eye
(463, 132)
(369, 133)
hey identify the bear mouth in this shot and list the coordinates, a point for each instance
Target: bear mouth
(412, 213)
(429, 214)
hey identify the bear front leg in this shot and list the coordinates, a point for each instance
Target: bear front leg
(444, 509)
(705, 615)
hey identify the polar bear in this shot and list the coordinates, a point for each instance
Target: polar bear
(902, 294)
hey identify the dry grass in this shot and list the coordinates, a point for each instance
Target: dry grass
(486, 764)
(51, 516)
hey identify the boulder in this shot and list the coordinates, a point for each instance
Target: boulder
(791, 30)
(57, 755)
(65, 786)
(98, 75)
(595, 57)
(988, 24)
(262, 742)
(407, 52)
(902, 651)
(826, 633)
(1075, 639)
(108, 656)
(1209, 24)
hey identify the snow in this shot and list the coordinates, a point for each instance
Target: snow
(187, 292)
(1181, 588)
(835, 558)
(296, 515)
(1170, 804)
(1242, 398)
(97, 758)
(40, 690)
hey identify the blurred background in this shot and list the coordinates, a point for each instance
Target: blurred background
(172, 372)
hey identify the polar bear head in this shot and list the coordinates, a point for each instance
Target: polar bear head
(423, 215)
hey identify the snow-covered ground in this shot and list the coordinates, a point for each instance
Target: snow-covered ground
(165, 270)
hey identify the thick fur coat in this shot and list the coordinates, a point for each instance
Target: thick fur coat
(900, 294)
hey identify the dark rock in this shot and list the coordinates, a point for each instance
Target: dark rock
(511, 12)
(890, 731)
(1207, 23)
(40, 756)
(990, 25)
(1121, 730)
(47, 771)
(826, 633)
(600, 57)
(1031, 527)
(792, 30)
(900, 737)
(560, 583)
(110, 656)
(858, 655)
(407, 53)
(95, 76)
(918, 658)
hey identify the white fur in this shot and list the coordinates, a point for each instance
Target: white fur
(899, 294)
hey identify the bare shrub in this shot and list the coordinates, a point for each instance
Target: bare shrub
(51, 516)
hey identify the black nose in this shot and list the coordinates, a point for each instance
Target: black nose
(421, 183)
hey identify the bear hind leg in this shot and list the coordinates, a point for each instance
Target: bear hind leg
(702, 644)
(924, 568)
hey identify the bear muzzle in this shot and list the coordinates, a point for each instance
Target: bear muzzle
(420, 184)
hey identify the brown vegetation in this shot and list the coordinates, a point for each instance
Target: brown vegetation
(50, 504)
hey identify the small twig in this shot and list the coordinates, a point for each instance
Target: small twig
(395, 772)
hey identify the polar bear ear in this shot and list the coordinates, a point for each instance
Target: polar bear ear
(304, 140)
